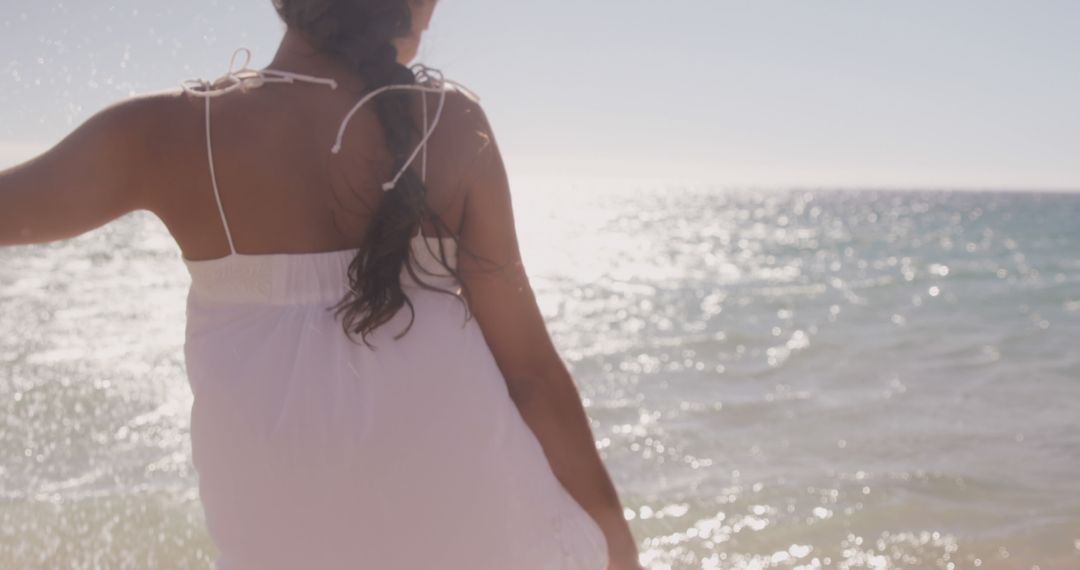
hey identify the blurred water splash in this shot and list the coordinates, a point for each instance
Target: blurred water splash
(777, 379)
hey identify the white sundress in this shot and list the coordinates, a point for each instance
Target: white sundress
(314, 452)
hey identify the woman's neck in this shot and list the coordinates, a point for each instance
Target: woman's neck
(296, 54)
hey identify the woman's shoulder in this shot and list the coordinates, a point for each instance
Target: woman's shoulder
(157, 120)
(150, 108)
(458, 96)
(463, 117)
(153, 121)
(163, 129)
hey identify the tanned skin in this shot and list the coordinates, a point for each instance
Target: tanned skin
(149, 153)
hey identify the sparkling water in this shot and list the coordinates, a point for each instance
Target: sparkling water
(776, 379)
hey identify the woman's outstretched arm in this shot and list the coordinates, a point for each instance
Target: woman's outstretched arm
(506, 309)
(96, 174)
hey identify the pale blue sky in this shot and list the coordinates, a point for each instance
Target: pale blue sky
(919, 93)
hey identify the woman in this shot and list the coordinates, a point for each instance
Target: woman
(374, 383)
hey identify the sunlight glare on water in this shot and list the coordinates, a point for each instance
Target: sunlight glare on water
(776, 379)
(824, 379)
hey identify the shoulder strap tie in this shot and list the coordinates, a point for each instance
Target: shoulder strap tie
(429, 80)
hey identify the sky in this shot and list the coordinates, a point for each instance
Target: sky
(967, 94)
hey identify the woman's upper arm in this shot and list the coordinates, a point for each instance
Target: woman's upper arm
(95, 174)
(491, 268)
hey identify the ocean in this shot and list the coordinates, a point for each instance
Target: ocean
(776, 378)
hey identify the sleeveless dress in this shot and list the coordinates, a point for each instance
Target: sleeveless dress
(314, 452)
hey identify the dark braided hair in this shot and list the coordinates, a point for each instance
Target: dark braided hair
(361, 33)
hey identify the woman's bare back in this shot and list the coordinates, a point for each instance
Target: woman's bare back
(281, 188)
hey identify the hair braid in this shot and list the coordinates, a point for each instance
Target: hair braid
(361, 33)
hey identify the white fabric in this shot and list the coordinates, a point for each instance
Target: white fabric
(317, 453)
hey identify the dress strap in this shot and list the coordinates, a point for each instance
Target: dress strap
(429, 80)
(238, 79)
(213, 181)
(245, 78)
